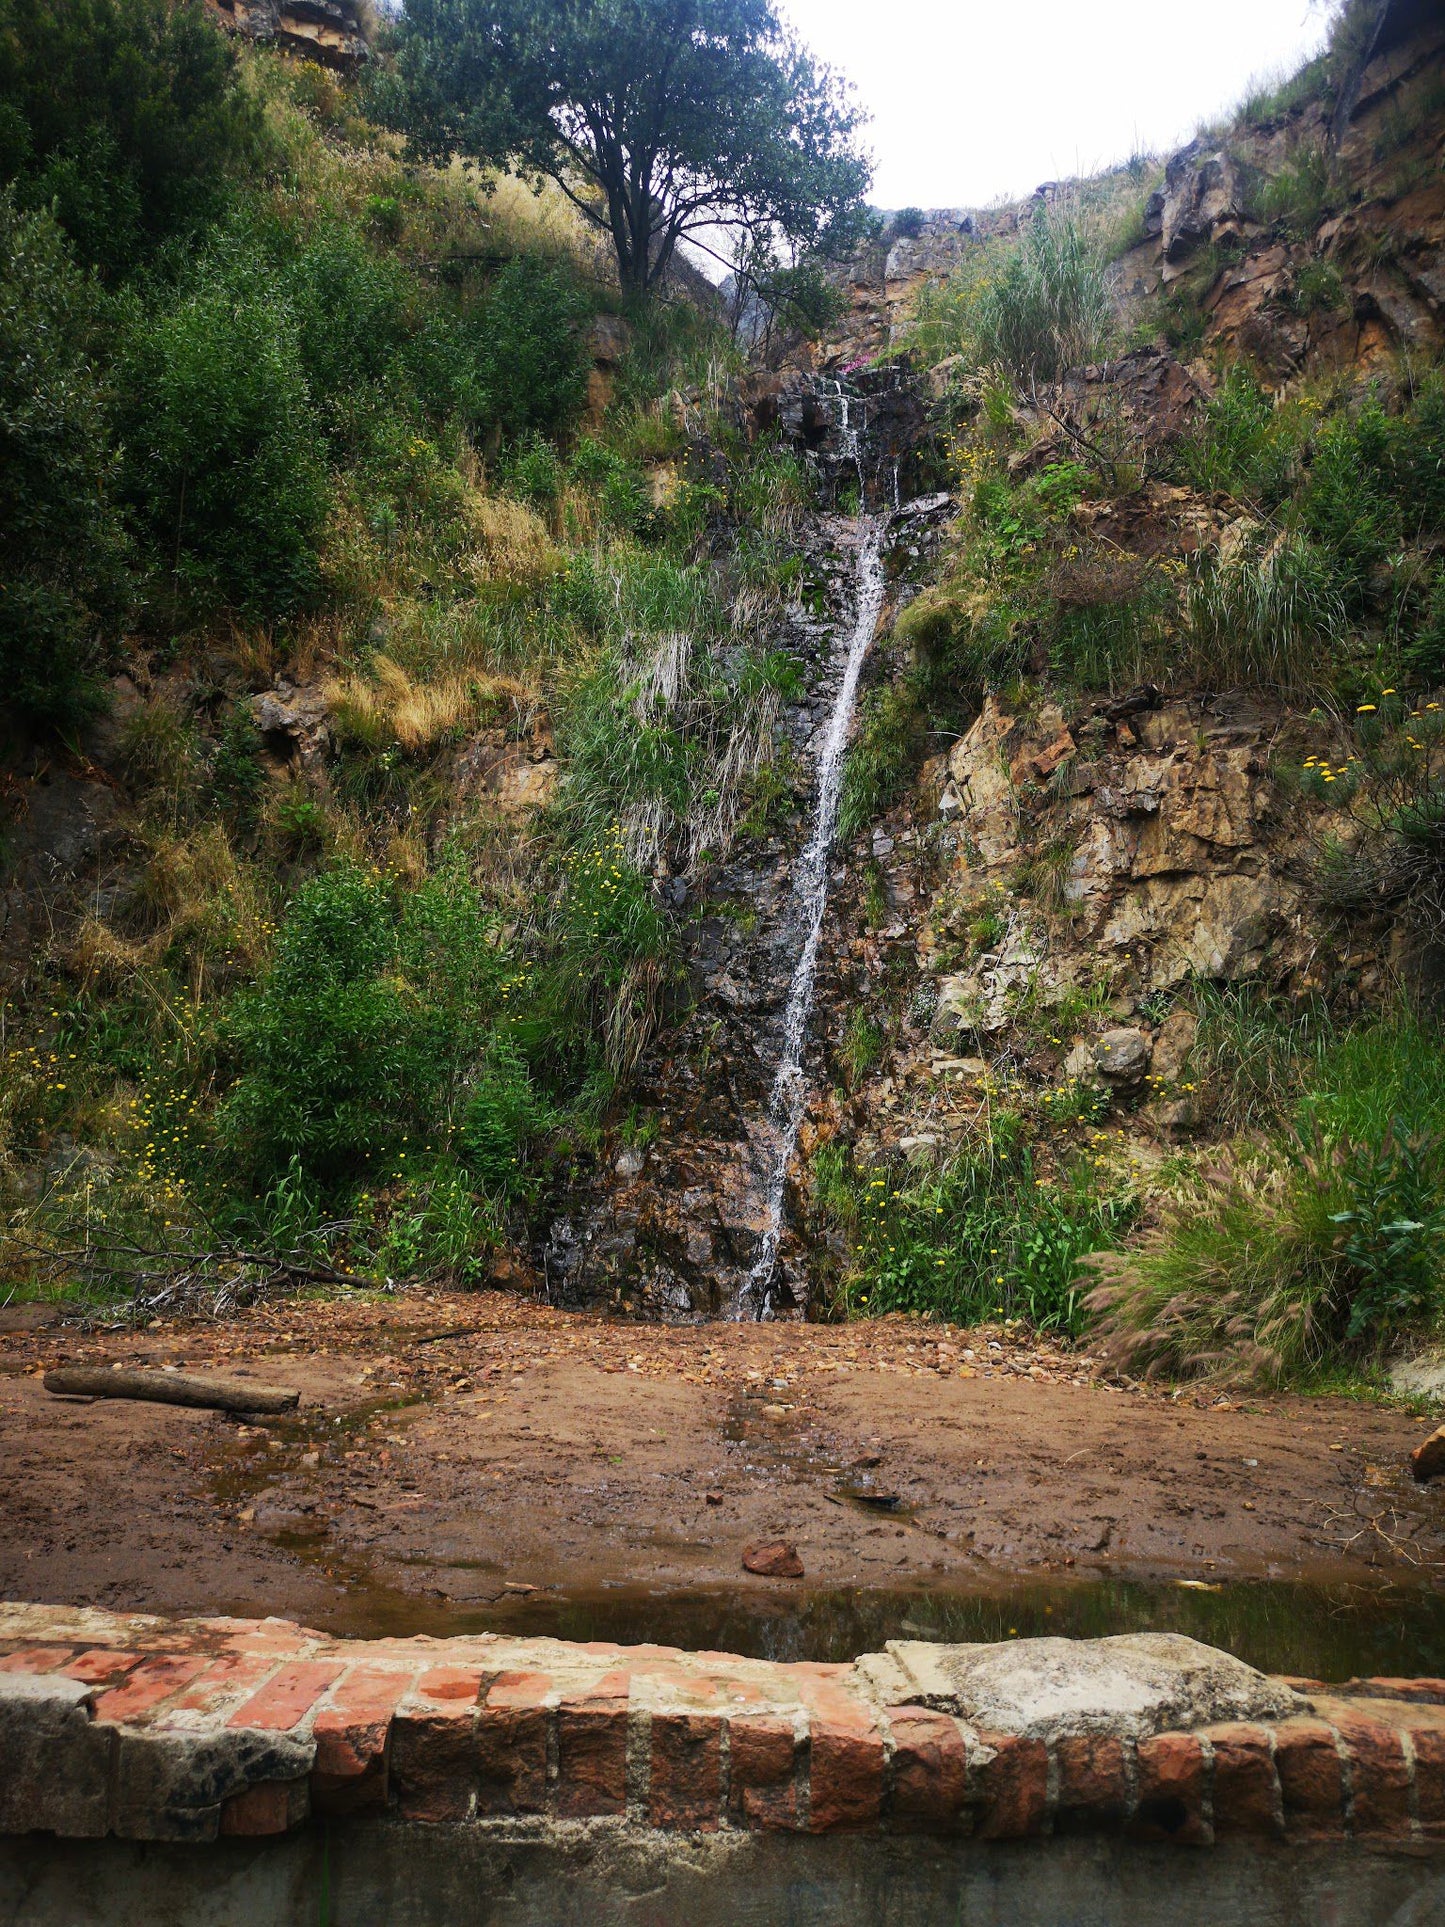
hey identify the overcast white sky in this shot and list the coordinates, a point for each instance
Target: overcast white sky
(978, 100)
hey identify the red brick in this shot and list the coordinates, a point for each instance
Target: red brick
(512, 1744)
(1171, 1791)
(451, 1683)
(1429, 1745)
(433, 1759)
(283, 1702)
(1379, 1778)
(353, 1740)
(224, 1683)
(151, 1682)
(686, 1771)
(845, 1773)
(1245, 1799)
(99, 1667)
(1311, 1779)
(1093, 1782)
(275, 1806)
(1015, 1787)
(762, 1770)
(36, 1659)
(930, 1766)
(1420, 1692)
(591, 1757)
(511, 1756)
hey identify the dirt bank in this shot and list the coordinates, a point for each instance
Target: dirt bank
(458, 1451)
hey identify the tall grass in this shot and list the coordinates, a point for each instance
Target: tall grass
(1049, 309)
(1326, 1239)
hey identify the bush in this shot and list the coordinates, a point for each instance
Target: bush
(530, 356)
(223, 452)
(369, 1031)
(982, 1237)
(126, 115)
(62, 580)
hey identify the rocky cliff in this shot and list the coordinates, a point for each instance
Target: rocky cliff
(333, 32)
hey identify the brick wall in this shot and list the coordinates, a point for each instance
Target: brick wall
(192, 1730)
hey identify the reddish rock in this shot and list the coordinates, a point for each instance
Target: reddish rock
(592, 1758)
(1015, 1783)
(1427, 1461)
(762, 1751)
(846, 1774)
(1428, 1746)
(1093, 1782)
(512, 1744)
(775, 1559)
(433, 1769)
(286, 1700)
(275, 1806)
(1379, 1778)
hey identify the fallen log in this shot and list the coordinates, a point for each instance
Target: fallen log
(169, 1388)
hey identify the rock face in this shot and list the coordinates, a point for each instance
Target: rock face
(1133, 1686)
(1175, 857)
(329, 31)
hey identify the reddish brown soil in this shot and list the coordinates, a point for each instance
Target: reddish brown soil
(540, 1450)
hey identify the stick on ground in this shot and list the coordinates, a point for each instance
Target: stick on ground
(170, 1388)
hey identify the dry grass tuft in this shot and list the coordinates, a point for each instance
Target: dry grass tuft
(517, 549)
(388, 706)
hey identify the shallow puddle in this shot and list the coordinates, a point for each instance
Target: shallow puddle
(1322, 1632)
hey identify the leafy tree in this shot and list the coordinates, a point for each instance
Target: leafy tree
(62, 581)
(659, 119)
(125, 115)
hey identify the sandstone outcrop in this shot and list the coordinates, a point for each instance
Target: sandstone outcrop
(333, 32)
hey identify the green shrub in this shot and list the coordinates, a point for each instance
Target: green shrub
(62, 580)
(125, 115)
(364, 1038)
(439, 1228)
(223, 452)
(885, 756)
(980, 1238)
(531, 358)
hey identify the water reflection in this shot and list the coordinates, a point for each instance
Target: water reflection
(1332, 1633)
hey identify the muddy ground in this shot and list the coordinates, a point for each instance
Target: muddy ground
(457, 1458)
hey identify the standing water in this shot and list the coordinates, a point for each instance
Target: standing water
(811, 889)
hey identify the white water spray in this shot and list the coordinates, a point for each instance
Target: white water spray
(811, 889)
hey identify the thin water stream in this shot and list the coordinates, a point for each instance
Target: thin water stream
(811, 890)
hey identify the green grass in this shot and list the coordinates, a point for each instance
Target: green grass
(1325, 1243)
(984, 1236)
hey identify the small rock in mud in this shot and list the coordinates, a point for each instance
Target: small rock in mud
(775, 1411)
(1427, 1461)
(714, 1498)
(774, 1560)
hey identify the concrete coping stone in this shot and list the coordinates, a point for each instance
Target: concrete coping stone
(1133, 1685)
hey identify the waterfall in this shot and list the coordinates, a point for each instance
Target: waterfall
(811, 890)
